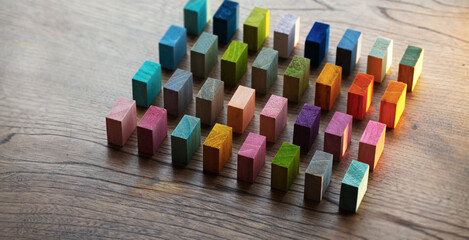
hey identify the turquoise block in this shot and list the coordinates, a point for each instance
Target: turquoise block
(172, 47)
(146, 83)
(196, 14)
(354, 185)
(185, 139)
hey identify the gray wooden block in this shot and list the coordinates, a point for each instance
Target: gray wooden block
(178, 92)
(209, 101)
(318, 175)
(204, 55)
(264, 70)
(287, 35)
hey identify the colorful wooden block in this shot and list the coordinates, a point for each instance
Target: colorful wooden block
(172, 47)
(392, 104)
(217, 148)
(204, 55)
(359, 95)
(328, 86)
(338, 134)
(273, 117)
(146, 83)
(380, 58)
(353, 186)
(178, 92)
(196, 15)
(317, 43)
(306, 127)
(234, 63)
(256, 28)
(285, 166)
(318, 175)
(372, 144)
(296, 78)
(251, 157)
(264, 70)
(121, 121)
(241, 108)
(410, 67)
(151, 130)
(209, 101)
(287, 35)
(185, 140)
(225, 21)
(348, 51)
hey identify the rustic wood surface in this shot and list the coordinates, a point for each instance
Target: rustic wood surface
(64, 64)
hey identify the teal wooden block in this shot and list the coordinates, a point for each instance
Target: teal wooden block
(204, 55)
(285, 166)
(172, 47)
(146, 83)
(353, 187)
(196, 15)
(264, 70)
(318, 175)
(185, 140)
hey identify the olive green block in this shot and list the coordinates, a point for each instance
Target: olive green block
(234, 63)
(296, 78)
(256, 28)
(285, 166)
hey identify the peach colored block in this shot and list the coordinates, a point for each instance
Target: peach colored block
(241, 108)
(273, 117)
(372, 143)
(121, 121)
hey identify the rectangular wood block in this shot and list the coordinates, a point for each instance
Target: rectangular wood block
(348, 51)
(359, 95)
(296, 78)
(306, 127)
(353, 186)
(217, 148)
(264, 70)
(318, 175)
(196, 15)
(256, 28)
(285, 166)
(251, 157)
(287, 35)
(234, 63)
(338, 134)
(328, 86)
(410, 67)
(152, 130)
(225, 21)
(172, 47)
(146, 83)
(392, 104)
(317, 43)
(178, 92)
(121, 121)
(273, 117)
(241, 108)
(209, 101)
(380, 58)
(204, 55)
(372, 144)
(185, 139)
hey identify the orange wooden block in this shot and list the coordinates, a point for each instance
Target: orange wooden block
(360, 95)
(328, 86)
(392, 104)
(241, 109)
(217, 148)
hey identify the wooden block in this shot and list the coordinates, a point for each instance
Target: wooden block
(196, 15)
(121, 121)
(296, 78)
(273, 117)
(372, 144)
(209, 101)
(178, 92)
(234, 63)
(287, 35)
(185, 139)
(146, 83)
(256, 28)
(217, 148)
(380, 58)
(172, 47)
(410, 67)
(285, 166)
(348, 51)
(251, 157)
(317, 43)
(225, 21)
(359, 95)
(306, 127)
(338, 134)
(392, 104)
(318, 175)
(241, 108)
(353, 187)
(264, 70)
(204, 55)
(328, 86)
(151, 130)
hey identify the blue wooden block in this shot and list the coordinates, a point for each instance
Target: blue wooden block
(225, 21)
(146, 83)
(348, 51)
(178, 92)
(317, 43)
(172, 47)
(195, 15)
(185, 139)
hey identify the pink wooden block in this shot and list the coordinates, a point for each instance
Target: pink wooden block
(338, 134)
(372, 143)
(152, 129)
(121, 121)
(251, 157)
(273, 117)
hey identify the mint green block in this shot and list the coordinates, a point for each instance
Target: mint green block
(285, 166)
(146, 83)
(185, 139)
(353, 187)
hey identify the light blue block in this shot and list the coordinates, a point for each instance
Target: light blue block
(172, 47)
(146, 83)
(185, 139)
(225, 21)
(195, 15)
(348, 51)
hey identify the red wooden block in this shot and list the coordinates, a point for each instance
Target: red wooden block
(121, 121)
(273, 117)
(338, 134)
(372, 143)
(360, 95)
(251, 157)
(152, 129)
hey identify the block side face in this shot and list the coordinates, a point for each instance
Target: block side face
(348, 197)
(198, 64)
(145, 140)
(203, 110)
(344, 58)
(259, 80)
(279, 177)
(245, 171)
(114, 132)
(313, 188)
(211, 158)
(282, 44)
(333, 144)
(356, 105)
(228, 72)
(267, 127)
(171, 101)
(387, 113)
(180, 150)
(367, 154)
(406, 75)
(322, 96)
(303, 137)
(291, 88)
(375, 67)
(139, 93)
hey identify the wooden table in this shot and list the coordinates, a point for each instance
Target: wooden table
(64, 63)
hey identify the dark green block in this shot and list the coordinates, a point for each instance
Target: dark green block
(354, 186)
(234, 63)
(285, 166)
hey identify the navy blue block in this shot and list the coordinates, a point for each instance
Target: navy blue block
(225, 21)
(172, 47)
(317, 43)
(348, 51)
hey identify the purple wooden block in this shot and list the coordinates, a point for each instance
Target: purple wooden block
(338, 134)
(151, 130)
(306, 127)
(251, 157)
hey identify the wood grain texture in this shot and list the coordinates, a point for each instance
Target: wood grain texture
(152, 129)
(410, 67)
(172, 47)
(354, 186)
(225, 21)
(317, 43)
(287, 35)
(234, 63)
(264, 70)
(209, 101)
(328, 86)
(296, 78)
(338, 135)
(392, 104)
(380, 58)
(121, 121)
(359, 95)
(204, 55)
(273, 117)
(251, 157)
(240, 109)
(185, 140)
(285, 167)
(371, 144)
(178, 92)
(318, 175)
(256, 28)
(196, 15)
(217, 148)
(306, 127)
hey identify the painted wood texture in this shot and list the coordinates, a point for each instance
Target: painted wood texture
(296, 78)
(196, 15)
(225, 21)
(354, 186)
(338, 134)
(204, 55)
(285, 166)
(172, 47)
(306, 127)
(359, 95)
(273, 117)
(264, 70)
(328, 86)
(217, 148)
(392, 104)
(146, 83)
(287, 35)
(234, 63)
(209, 101)
(121, 121)
(318, 175)
(185, 140)
(317, 43)
(348, 50)
(178, 92)
(152, 130)
(251, 157)
(240, 109)
(372, 144)
(256, 28)
(410, 67)
(380, 58)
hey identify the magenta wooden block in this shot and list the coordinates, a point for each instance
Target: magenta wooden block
(372, 144)
(338, 134)
(273, 117)
(251, 157)
(152, 129)
(121, 121)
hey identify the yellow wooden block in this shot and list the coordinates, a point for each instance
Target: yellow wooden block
(328, 86)
(217, 148)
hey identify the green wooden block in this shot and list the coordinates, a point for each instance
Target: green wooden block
(204, 55)
(285, 166)
(264, 70)
(185, 139)
(354, 186)
(234, 63)
(256, 28)
(296, 78)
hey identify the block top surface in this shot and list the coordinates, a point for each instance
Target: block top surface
(373, 132)
(411, 56)
(355, 173)
(307, 115)
(338, 124)
(204, 42)
(285, 154)
(265, 58)
(172, 35)
(380, 47)
(120, 109)
(318, 32)
(349, 39)
(256, 16)
(319, 163)
(274, 106)
(241, 97)
(177, 80)
(287, 22)
(297, 67)
(252, 145)
(234, 51)
(218, 135)
(226, 10)
(195, 5)
(186, 126)
(361, 83)
(209, 89)
(394, 91)
(329, 74)
(152, 117)
(146, 71)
